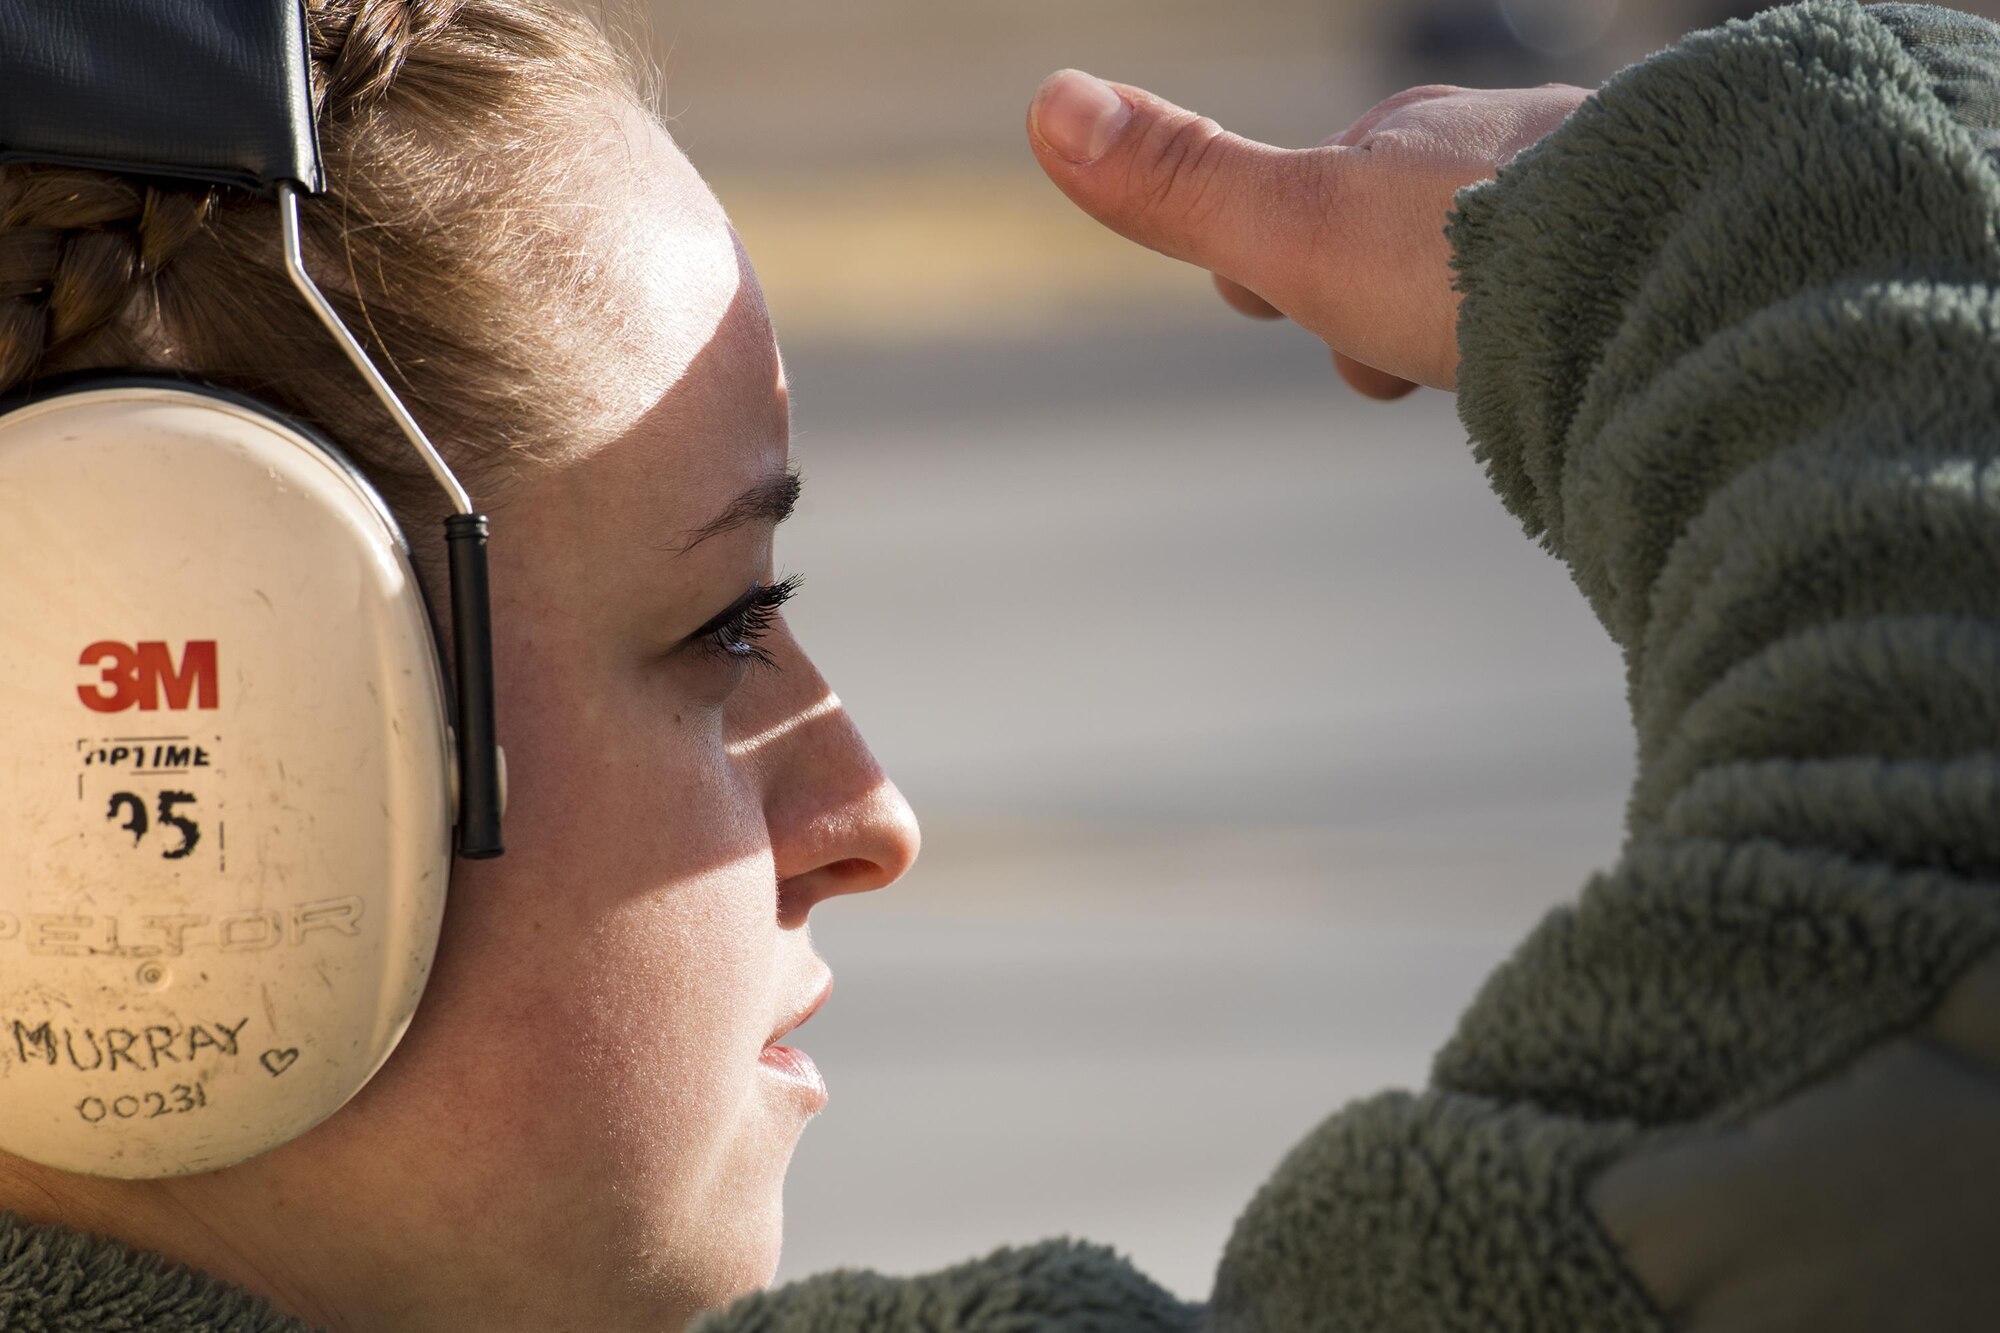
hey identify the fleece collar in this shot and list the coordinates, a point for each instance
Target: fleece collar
(54, 1280)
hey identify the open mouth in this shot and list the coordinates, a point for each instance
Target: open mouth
(792, 1065)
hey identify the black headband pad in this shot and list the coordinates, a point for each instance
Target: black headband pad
(205, 90)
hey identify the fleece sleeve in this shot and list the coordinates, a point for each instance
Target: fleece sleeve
(1730, 348)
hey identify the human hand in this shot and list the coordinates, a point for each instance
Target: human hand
(1346, 238)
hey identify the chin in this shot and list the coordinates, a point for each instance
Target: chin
(761, 1252)
(725, 1241)
(741, 1255)
(743, 1276)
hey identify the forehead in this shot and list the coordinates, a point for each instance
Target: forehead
(663, 296)
(679, 393)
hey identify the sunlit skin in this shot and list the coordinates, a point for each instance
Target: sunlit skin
(1346, 238)
(577, 1132)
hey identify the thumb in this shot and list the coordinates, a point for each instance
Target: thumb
(1179, 183)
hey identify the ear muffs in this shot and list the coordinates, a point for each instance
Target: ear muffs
(227, 786)
(228, 793)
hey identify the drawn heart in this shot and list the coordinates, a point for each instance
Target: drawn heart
(277, 1062)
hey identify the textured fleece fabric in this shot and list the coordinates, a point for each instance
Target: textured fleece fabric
(53, 1280)
(1728, 349)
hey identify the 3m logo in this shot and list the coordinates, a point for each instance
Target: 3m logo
(142, 674)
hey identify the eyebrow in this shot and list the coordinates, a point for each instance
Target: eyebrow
(771, 498)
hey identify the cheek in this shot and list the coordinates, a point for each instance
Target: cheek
(608, 982)
(615, 772)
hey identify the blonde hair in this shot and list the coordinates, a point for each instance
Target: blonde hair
(443, 126)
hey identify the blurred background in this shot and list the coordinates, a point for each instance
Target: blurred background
(1247, 731)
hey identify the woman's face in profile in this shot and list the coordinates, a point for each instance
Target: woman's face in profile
(583, 1127)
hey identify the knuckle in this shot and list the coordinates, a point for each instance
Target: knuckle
(1423, 92)
(1366, 124)
(1177, 167)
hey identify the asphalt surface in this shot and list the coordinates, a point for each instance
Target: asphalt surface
(1248, 732)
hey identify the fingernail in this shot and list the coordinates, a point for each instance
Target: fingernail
(1078, 114)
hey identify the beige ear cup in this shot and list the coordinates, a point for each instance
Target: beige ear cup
(224, 785)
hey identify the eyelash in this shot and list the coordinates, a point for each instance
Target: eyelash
(736, 632)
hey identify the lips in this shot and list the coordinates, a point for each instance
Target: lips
(794, 1067)
(802, 1013)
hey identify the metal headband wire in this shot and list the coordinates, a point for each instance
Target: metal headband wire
(295, 265)
(481, 798)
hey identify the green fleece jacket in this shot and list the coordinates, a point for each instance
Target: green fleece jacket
(1730, 348)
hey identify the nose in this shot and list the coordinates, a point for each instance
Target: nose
(837, 823)
(864, 843)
